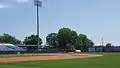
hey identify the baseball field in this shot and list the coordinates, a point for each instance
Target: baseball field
(98, 60)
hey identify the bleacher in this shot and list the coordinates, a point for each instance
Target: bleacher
(10, 47)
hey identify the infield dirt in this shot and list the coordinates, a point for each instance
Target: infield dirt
(47, 57)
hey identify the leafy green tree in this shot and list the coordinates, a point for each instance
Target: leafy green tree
(52, 40)
(6, 38)
(108, 45)
(32, 40)
(90, 43)
(1, 41)
(83, 42)
(66, 37)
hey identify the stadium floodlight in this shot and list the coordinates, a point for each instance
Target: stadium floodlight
(38, 3)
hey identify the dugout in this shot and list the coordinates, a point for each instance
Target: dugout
(29, 48)
(33, 49)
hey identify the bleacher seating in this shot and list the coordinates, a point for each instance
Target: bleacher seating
(11, 48)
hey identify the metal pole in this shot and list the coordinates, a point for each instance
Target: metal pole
(102, 42)
(37, 27)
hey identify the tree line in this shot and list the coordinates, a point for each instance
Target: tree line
(65, 39)
(68, 39)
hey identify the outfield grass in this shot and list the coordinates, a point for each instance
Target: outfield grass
(109, 60)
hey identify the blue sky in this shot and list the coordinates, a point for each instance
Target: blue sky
(95, 18)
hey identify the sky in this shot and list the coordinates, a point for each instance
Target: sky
(96, 18)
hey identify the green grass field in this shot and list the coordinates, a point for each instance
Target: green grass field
(109, 60)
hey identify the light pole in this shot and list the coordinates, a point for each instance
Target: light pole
(38, 4)
(102, 42)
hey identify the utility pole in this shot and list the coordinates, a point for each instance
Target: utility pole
(102, 42)
(38, 4)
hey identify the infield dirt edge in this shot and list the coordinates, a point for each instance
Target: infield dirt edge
(47, 57)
